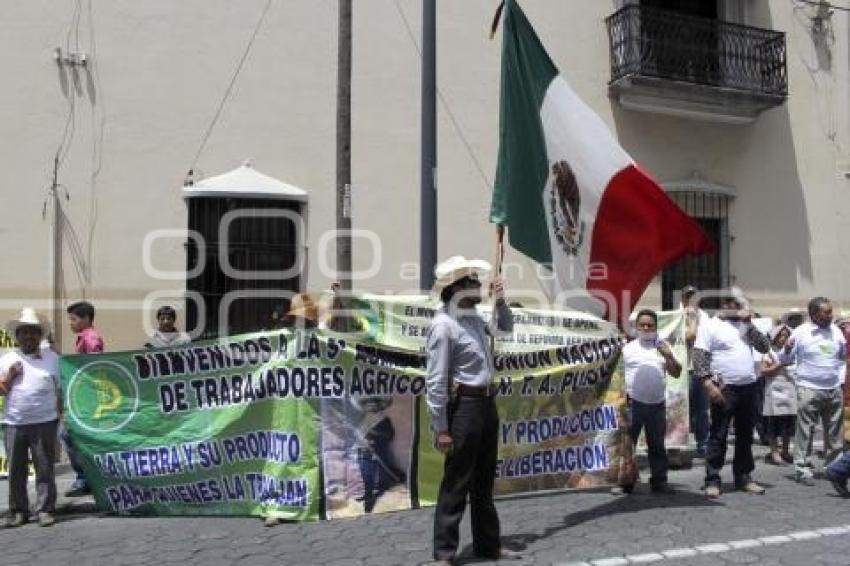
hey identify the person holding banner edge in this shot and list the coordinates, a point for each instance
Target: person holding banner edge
(461, 403)
(647, 361)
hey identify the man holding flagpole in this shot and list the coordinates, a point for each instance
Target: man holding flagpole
(461, 402)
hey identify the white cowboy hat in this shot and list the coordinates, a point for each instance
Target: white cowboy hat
(456, 268)
(27, 317)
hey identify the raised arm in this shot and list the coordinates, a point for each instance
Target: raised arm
(770, 366)
(502, 320)
(671, 364)
(8, 375)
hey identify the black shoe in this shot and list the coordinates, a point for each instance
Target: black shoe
(840, 484)
(662, 488)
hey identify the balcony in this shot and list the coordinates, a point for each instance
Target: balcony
(669, 63)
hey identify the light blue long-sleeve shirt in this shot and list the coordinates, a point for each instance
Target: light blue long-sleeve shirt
(458, 349)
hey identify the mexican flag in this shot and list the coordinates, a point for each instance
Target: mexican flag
(571, 198)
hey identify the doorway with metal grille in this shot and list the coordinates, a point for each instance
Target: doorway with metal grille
(257, 243)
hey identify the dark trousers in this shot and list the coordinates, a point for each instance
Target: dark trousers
(780, 427)
(738, 406)
(470, 469)
(72, 455)
(698, 405)
(651, 418)
(40, 441)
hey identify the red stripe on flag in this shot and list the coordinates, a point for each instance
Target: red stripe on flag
(638, 231)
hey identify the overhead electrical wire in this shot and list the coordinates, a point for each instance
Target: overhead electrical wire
(230, 86)
(445, 105)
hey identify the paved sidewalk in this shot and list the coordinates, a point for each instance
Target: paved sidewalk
(790, 525)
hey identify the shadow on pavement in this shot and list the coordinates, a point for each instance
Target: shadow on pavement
(622, 504)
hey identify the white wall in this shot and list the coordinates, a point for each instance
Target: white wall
(159, 69)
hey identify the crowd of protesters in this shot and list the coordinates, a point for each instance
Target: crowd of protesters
(32, 414)
(790, 380)
(795, 386)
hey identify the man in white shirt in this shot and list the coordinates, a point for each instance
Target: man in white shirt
(29, 378)
(819, 349)
(647, 361)
(461, 402)
(723, 360)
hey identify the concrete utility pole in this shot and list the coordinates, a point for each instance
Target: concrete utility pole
(428, 184)
(56, 250)
(343, 150)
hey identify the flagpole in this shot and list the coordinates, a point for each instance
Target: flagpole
(500, 248)
(497, 272)
(428, 181)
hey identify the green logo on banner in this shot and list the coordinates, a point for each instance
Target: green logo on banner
(102, 396)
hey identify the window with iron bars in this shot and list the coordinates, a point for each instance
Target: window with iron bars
(705, 272)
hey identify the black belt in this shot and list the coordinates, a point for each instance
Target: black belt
(464, 390)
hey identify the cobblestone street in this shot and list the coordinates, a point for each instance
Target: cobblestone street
(790, 525)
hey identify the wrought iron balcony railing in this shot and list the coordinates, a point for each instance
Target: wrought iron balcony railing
(650, 42)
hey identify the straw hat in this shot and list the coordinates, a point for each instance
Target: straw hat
(456, 268)
(303, 306)
(27, 317)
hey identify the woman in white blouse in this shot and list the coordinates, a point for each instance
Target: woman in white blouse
(780, 398)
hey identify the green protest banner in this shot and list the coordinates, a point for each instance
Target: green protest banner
(214, 428)
(314, 423)
(561, 399)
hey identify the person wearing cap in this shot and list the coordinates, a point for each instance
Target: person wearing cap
(461, 403)
(723, 361)
(29, 378)
(820, 350)
(697, 396)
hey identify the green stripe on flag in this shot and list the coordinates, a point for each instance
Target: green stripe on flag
(523, 165)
